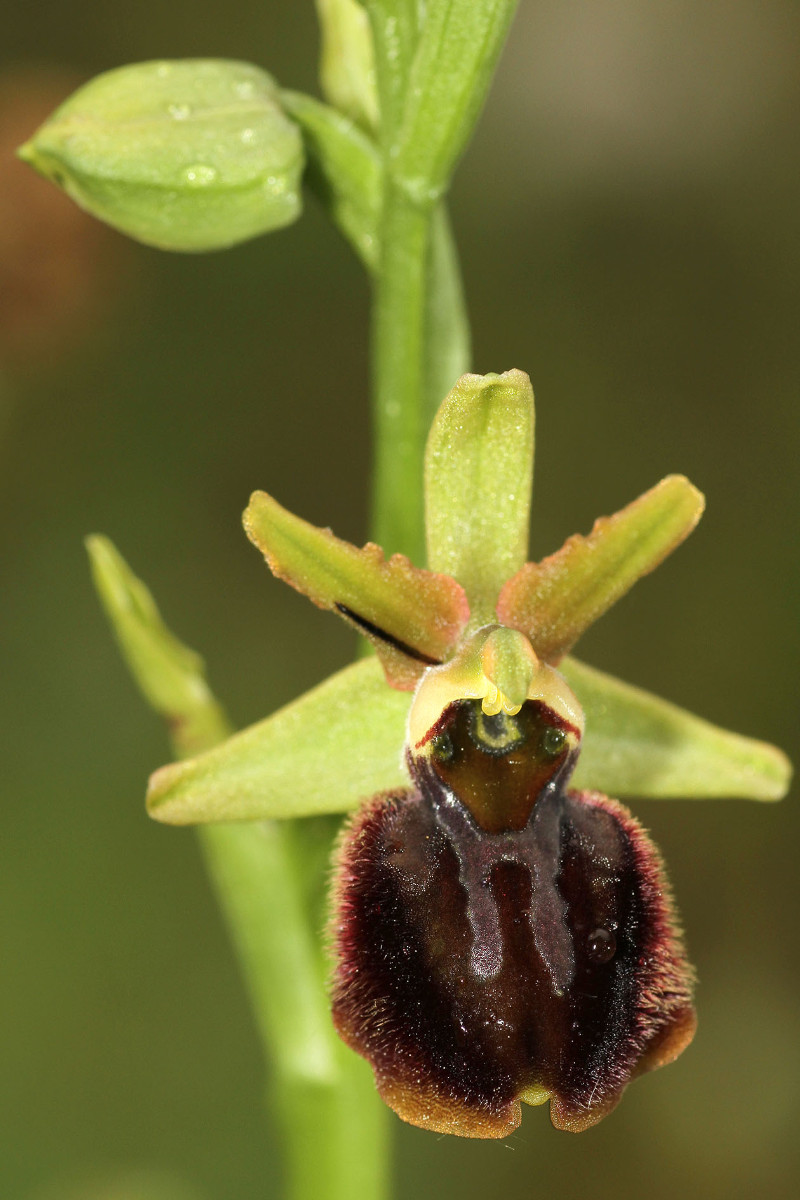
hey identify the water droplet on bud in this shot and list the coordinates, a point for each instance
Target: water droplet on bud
(199, 175)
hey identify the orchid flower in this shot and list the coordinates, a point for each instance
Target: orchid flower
(501, 930)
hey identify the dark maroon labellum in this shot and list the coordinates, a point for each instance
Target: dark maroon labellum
(500, 938)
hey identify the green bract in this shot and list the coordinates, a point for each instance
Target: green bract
(344, 169)
(169, 674)
(190, 155)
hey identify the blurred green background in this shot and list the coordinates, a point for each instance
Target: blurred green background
(628, 220)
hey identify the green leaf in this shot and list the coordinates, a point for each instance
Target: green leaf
(553, 602)
(459, 44)
(412, 616)
(636, 744)
(347, 61)
(344, 170)
(190, 155)
(171, 676)
(324, 753)
(478, 478)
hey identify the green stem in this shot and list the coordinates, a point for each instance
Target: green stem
(333, 1125)
(420, 346)
(270, 880)
(398, 369)
(447, 335)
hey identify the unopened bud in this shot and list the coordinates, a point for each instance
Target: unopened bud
(190, 155)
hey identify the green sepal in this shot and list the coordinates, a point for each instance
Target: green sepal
(324, 753)
(554, 601)
(169, 674)
(638, 745)
(412, 616)
(344, 170)
(347, 61)
(478, 479)
(190, 155)
(454, 61)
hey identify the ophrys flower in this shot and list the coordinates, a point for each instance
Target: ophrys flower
(498, 937)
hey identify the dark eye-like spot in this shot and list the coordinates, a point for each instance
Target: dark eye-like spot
(553, 742)
(442, 747)
(601, 946)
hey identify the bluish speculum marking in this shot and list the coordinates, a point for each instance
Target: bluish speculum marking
(491, 782)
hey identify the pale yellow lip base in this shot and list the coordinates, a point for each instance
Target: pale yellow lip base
(499, 667)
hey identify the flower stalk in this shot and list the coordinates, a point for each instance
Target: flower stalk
(266, 875)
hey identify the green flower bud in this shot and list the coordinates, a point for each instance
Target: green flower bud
(189, 155)
(347, 61)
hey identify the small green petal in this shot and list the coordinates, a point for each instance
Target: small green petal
(478, 479)
(553, 602)
(509, 663)
(636, 744)
(171, 676)
(324, 753)
(191, 155)
(412, 616)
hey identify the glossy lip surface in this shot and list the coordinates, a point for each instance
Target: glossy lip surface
(498, 765)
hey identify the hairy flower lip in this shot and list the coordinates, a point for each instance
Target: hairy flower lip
(421, 1018)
